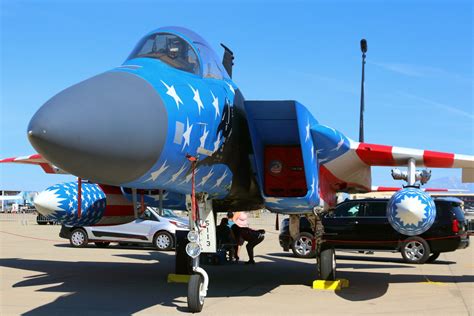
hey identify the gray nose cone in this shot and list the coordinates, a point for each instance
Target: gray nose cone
(109, 129)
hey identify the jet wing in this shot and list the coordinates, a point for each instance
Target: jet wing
(345, 165)
(35, 159)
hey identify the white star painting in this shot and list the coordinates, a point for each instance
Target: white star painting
(187, 134)
(307, 132)
(175, 176)
(157, 173)
(202, 140)
(172, 93)
(339, 144)
(197, 99)
(219, 180)
(217, 142)
(48, 202)
(231, 87)
(411, 210)
(215, 104)
(206, 177)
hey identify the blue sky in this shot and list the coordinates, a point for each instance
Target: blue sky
(419, 79)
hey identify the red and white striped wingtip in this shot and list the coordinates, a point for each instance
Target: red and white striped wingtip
(382, 155)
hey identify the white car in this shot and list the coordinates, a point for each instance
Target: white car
(150, 228)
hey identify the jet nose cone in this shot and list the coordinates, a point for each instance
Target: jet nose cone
(110, 128)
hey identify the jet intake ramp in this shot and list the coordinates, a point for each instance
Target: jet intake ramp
(283, 157)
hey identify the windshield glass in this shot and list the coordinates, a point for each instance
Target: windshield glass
(179, 48)
(169, 48)
(169, 213)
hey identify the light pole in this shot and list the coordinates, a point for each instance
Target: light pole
(363, 48)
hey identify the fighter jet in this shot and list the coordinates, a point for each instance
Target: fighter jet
(171, 118)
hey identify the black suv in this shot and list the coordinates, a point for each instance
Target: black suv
(363, 225)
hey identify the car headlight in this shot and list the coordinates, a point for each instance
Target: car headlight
(178, 224)
(193, 236)
(193, 249)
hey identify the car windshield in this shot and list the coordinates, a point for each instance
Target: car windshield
(348, 210)
(148, 215)
(169, 213)
(169, 48)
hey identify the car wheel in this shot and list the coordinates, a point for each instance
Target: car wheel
(78, 238)
(102, 244)
(433, 257)
(302, 247)
(327, 264)
(39, 221)
(415, 250)
(163, 241)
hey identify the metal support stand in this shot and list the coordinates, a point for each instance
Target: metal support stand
(411, 172)
(134, 202)
(79, 197)
(161, 203)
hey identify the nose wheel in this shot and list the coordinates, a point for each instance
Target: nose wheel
(196, 293)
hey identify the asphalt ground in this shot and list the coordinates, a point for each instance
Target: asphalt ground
(40, 274)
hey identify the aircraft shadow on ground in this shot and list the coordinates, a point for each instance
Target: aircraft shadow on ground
(128, 287)
(367, 258)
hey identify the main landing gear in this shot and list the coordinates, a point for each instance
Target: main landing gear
(326, 262)
(325, 255)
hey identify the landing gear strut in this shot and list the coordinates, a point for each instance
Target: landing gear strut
(325, 256)
(201, 238)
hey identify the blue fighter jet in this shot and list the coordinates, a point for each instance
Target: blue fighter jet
(171, 119)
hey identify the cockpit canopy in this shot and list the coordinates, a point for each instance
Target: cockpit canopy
(182, 49)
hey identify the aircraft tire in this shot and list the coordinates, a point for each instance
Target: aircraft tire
(327, 265)
(195, 300)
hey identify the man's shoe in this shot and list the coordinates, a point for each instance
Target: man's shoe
(250, 262)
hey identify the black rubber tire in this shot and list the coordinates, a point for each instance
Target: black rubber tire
(303, 239)
(166, 236)
(195, 301)
(433, 257)
(74, 242)
(39, 220)
(327, 265)
(412, 255)
(102, 244)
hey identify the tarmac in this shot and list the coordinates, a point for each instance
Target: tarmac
(42, 275)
